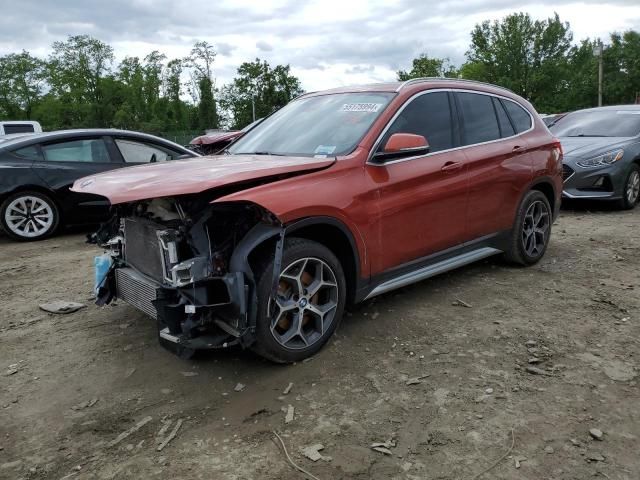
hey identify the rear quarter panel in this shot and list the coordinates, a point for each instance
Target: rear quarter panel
(547, 163)
(16, 172)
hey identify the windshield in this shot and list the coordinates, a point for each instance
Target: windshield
(326, 125)
(598, 123)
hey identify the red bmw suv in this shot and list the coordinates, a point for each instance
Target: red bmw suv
(340, 196)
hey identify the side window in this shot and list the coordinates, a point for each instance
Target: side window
(521, 119)
(137, 152)
(478, 118)
(506, 129)
(85, 150)
(30, 153)
(428, 115)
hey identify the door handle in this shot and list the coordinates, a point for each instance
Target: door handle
(518, 148)
(451, 166)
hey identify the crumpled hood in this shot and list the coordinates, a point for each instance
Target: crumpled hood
(587, 147)
(180, 177)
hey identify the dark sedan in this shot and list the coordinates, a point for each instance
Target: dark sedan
(601, 154)
(37, 170)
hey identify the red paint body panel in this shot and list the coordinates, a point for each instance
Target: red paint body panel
(181, 177)
(218, 137)
(396, 212)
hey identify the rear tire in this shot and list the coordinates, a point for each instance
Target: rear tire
(309, 306)
(531, 230)
(29, 216)
(631, 191)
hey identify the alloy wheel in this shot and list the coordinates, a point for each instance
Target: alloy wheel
(29, 217)
(633, 187)
(535, 231)
(305, 304)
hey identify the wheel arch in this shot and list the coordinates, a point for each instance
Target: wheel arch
(328, 231)
(545, 185)
(336, 236)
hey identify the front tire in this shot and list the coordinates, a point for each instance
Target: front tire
(28, 216)
(631, 191)
(309, 304)
(531, 230)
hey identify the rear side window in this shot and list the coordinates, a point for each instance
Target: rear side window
(18, 128)
(506, 129)
(30, 153)
(137, 152)
(519, 116)
(479, 118)
(86, 150)
(428, 115)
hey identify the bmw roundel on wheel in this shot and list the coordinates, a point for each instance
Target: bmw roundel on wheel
(340, 196)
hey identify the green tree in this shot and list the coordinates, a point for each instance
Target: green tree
(134, 110)
(581, 80)
(424, 66)
(176, 111)
(258, 86)
(22, 83)
(621, 83)
(77, 68)
(202, 85)
(153, 73)
(526, 56)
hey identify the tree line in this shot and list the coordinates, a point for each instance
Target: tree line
(79, 85)
(539, 61)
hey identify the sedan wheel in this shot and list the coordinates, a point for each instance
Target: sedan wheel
(633, 187)
(29, 216)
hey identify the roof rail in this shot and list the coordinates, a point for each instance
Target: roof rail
(413, 81)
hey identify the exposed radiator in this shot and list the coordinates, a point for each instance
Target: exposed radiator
(137, 291)
(142, 249)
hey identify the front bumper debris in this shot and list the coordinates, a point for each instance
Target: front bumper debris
(208, 314)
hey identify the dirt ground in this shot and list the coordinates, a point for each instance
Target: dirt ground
(73, 384)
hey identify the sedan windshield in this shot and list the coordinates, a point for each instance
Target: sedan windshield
(325, 125)
(598, 123)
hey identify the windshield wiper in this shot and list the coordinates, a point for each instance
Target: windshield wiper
(266, 153)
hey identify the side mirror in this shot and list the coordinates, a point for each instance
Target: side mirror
(402, 145)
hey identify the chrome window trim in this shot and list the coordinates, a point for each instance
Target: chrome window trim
(435, 90)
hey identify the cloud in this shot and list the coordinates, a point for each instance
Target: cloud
(326, 42)
(263, 46)
(224, 49)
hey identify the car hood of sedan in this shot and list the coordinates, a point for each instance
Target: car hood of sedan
(586, 147)
(187, 176)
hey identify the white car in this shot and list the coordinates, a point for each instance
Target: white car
(19, 127)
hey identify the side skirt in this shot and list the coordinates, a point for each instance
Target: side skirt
(435, 264)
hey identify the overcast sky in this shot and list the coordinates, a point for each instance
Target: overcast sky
(327, 43)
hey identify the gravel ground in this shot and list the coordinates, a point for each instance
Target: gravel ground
(453, 374)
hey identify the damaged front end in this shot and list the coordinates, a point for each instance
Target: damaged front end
(186, 263)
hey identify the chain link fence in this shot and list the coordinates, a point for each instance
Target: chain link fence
(181, 137)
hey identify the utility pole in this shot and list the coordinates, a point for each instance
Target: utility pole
(598, 52)
(253, 106)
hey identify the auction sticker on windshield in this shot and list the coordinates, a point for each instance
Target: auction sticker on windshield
(325, 149)
(361, 107)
